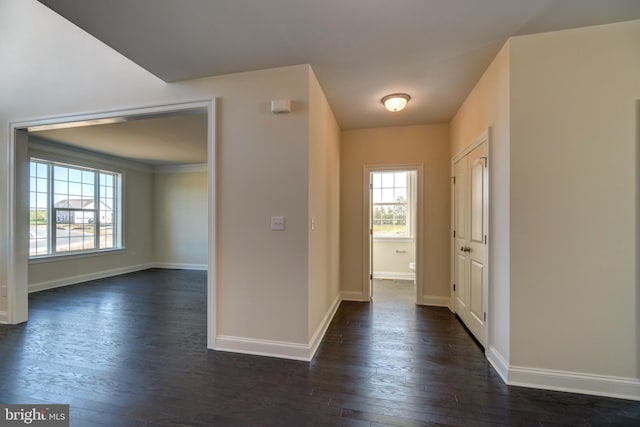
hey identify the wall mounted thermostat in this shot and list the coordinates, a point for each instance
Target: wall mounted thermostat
(280, 106)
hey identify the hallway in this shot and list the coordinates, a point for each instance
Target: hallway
(130, 351)
(394, 293)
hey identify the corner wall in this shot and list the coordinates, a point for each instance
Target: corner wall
(180, 217)
(324, 213)
(428, 144)
(47, 273)
(165, 226)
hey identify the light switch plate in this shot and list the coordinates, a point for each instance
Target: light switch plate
(277, 223)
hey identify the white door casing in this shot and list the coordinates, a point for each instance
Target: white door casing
(370, 276)
(17, 286)
(367, 240)
(470, 237)
(461, 235)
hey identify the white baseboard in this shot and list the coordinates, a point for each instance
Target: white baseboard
(317, 337)
(572, 382)
(393, 276)
(598, 385)
(436, 301)
(280, 349)
(180, 266)
(4, 317)
(283, 350)
(498, 362)
(66, 281)
(353, 296)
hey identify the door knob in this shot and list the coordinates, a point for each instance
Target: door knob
(467, 249)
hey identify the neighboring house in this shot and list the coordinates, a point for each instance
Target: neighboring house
(70, 212)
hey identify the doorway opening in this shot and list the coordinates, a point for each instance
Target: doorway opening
(393, 248)
(91, 231)
(393, 236)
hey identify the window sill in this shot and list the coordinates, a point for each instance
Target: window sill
(69, 256)
(393, 238)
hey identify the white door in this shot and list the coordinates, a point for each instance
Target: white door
(461, 236)
(470, 240)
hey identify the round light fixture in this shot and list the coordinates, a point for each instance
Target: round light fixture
(395, 101)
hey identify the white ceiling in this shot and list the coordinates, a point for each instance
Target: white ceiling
(361, 50)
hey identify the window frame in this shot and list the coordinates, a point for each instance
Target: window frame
(97, 169)
(410, 203)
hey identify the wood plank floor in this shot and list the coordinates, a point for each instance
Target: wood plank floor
(130, 351)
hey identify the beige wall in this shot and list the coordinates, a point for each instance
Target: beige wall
(180, 217)
(391, 258)
(262, 172)
(138, 233)
(574, 195)
(487, 106)
(427, 144)
(324, 188)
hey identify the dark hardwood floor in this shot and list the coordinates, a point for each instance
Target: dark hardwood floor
(131, 351)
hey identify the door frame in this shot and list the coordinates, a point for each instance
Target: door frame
(484, 137)
(366, 225)
(17, 254)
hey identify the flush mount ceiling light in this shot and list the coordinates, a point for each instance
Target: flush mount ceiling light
(395, 101)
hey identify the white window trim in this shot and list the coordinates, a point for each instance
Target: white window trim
(39, 259)
(411, 204)
(80, 159)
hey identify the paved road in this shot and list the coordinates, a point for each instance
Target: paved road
(38, 239)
